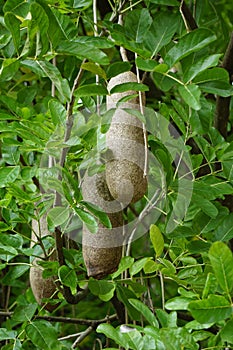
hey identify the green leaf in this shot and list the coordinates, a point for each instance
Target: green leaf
(191, 95)
(224, 231)
(129, 86)
(157, 240)
(117, 68)
(8, 175)
(161, 32)
(200, 66)
(102, 216)
(87, 219)
(145, 311)
(58, 216)
(125, 263)
(138, 266)
(6, 334)
(68, 277)
(214, 309)
(54, 75)
(58, 112)
(177, 303)
(13, 24)
(83, 51)
(226, 333)
(221, 259)
(103, 289)
(43, 335)
(91, 90)
(94, 68)
(25, 312)
(9, 67)
(191, 42)
(137, 23)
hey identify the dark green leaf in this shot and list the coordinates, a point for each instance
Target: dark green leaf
(129, 86)
(191, 42)
(221, 259)
(91, 90)
(213, 309)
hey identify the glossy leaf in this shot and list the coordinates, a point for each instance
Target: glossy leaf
(157, 240)
(145, 311)
(191, 42)
(191, 95)
(221, 259)
(213, 309)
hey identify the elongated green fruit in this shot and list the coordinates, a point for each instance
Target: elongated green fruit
(126, 140)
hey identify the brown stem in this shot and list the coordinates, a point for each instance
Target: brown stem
(187, 16)
(223, 103)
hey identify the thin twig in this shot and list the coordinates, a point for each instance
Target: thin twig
(82, 336)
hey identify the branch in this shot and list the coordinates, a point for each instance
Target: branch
(187, 16)
(223, 103)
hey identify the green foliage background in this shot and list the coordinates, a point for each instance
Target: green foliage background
(175, 288)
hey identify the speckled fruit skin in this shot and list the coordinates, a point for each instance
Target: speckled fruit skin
(102, 250)
(126, 141)
(41, 288)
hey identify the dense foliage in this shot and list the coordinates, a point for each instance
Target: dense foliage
(174, 285)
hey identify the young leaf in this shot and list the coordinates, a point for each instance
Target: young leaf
(215, 308)
(191, 42)
(145, 311)
(157, 240)
(221, 259)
